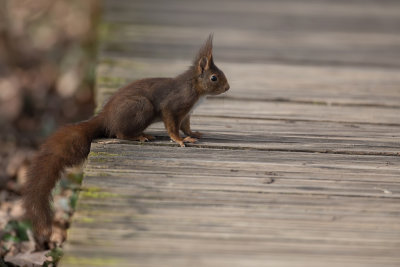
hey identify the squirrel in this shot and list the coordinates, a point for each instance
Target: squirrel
(125, 116)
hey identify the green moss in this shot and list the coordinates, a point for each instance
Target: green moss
(99, 160)
(55, 254)
(86, 220)
(106, 30)
(108, 81)
(98, 194)
(124, 63)
(108, 61)
(94, 192)
(101, 154)
(16, 231)
(100, 157)
(73, 199)
(92, 189)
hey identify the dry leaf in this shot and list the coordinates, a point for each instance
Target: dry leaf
(28, 259)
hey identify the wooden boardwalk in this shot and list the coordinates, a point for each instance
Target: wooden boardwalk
(300, 163)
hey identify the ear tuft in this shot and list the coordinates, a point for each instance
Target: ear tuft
(207, 47)
(204, 58)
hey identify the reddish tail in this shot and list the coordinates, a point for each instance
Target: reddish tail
(68, 146)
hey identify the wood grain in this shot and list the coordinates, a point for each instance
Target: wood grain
(271, 82)
(302, 32)
(299, 164)
(301, 136)
(247, 203)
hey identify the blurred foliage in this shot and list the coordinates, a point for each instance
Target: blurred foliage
(55, 255)
(16, 231)
(17, 244)
(47, 68)
(47, 62)
(47, 50)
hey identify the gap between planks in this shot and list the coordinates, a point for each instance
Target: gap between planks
(311, 102)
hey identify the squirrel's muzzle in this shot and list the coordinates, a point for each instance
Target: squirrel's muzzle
(227, 87)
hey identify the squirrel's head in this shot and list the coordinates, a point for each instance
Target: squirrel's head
(210, 79)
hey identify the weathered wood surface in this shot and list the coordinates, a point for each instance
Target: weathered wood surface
(182, 207)
(340, 32)
(344, 85)
(300, 162)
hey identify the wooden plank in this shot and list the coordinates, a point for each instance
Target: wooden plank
(305, 136)
(178, 214)
(294, 112)
(252, 160)
(271, 82)
(377, 49)
(350, 16)
(298, 112)
(338, 9)
(280, 31)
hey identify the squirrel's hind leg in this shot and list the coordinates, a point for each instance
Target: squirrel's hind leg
(131, 118)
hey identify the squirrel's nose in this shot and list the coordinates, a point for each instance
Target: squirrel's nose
(227, 87)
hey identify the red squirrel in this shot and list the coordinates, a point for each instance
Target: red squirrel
(125, 116)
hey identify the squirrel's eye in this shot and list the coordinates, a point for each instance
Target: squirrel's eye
(213, 78)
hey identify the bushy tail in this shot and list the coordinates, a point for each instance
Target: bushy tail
(68, 146)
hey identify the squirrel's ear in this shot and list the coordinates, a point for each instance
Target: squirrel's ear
(202, 65)
(204, 58)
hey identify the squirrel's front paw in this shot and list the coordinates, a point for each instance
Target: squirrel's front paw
(196, 134)
(189, 139)
(181, 144)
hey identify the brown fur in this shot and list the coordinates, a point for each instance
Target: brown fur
(126, 115)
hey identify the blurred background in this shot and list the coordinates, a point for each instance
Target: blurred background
(47, 56)
(47, 67)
